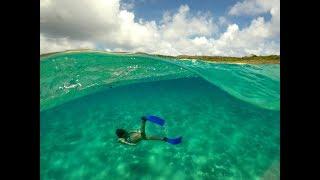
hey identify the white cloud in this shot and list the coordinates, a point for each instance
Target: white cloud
(129, 5)
(223, 21)
(255, 39)
(253, 7)
(61, 44)
(180, 25)
(68, 24)
(262, 37)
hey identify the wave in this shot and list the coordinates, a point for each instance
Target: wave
(66, 76)
(255, 84)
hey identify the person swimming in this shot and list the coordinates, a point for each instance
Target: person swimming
(133, 137)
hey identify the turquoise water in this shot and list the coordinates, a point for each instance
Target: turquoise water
(227, 114)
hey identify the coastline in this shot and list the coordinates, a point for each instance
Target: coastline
(269, 59)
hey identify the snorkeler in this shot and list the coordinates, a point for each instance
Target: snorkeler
(133, 137)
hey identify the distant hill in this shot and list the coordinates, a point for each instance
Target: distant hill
(251, 59)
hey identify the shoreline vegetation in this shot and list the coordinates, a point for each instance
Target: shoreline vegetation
(252, 59)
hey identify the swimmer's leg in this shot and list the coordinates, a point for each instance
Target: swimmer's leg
(143, 127)
(143, 132)
(155, 138)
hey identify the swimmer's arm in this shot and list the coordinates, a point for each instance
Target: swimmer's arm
(125, 142)
(135, 131)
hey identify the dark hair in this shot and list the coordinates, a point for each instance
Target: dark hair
(121, 133)
(143, 118)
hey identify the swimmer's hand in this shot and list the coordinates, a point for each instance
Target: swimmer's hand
(121, 140)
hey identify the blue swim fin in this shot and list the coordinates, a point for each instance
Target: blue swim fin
(174, 140)
(156, 120)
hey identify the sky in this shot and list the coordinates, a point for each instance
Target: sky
(169, 27)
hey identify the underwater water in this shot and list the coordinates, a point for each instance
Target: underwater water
(228, 115)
